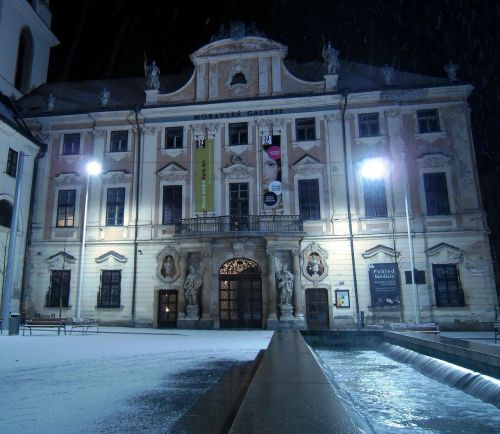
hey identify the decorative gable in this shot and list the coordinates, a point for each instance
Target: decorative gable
(381, 253)
(111, 255)
(60, 260)
(445, 253)
(307, 166)
(173, 172)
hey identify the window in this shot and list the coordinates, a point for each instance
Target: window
(11, 168)
(436, 194)
(58, 293)
(375, 200)
(24, 61)
(66, 208)
(238, 78)
(172, 204)
(174, 137)
(447, 285)
(71, 144)
(238, 198)
(109, 292)
(428, 121)
(238, 134)
(368, 125)
(119, 141)
(305, 129)
(115, 206)
(5, 213)
(309, 199)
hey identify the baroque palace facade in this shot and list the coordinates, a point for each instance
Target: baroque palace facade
(237, 195)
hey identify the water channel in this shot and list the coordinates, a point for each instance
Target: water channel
(392, 389)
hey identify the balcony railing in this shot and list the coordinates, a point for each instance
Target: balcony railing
(239, 223)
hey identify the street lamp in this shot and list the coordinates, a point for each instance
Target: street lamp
(93, 168)
(377, 168)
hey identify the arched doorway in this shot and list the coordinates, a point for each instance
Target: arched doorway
(240, 294)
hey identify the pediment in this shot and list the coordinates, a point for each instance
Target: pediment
(172, 170)
(238, 168)
(111, 254)
(60, 261)
(67, 179)
(379, 248)
(434, 159)
(117, 177)
(445, 252)
(238, 47)
(307, 165)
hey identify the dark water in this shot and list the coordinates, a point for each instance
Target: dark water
(395, 398)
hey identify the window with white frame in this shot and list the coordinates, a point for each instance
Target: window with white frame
(238, 134)
(174, 137)
(58, 293)
(309, 202)
(428, 121)
(436, 193)
(115, 206)
(375, 198)
(172, 204)
(118, 141)
(110, 289)
(12, 158)
(66, 201)
(369, 124)
(305, 129)
(447, 285)
(71, 144)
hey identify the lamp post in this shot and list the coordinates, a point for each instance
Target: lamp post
(93, 168)
(376, 168)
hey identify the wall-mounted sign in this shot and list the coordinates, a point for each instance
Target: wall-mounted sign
(271, 171)
(384, 284)
(342, 298)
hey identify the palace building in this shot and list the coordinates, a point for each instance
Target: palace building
(258, 192)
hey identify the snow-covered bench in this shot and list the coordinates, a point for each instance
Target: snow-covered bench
(425, 327)
(45, 324)
(83, 324)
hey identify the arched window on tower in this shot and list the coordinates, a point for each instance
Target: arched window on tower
(5, 213)
(24, 61)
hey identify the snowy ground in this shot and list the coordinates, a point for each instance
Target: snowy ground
(136, 382)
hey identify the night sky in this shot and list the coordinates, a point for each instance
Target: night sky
(104, 39)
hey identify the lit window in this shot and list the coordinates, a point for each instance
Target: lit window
(428, 121)
(66, 208)
(305, 129)
(368, 125)
(119, 141)
(174, 137)
(238, 134)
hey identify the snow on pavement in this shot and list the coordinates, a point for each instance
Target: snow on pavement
(120, 382)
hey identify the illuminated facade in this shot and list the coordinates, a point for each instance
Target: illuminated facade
(225, 200)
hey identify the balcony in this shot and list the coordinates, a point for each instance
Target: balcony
(239, 223)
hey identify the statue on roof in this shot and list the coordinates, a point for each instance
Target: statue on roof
(331, 57)
(51, 101)
(388, 73)
(104, 96)
(152, 73)
(451, 69)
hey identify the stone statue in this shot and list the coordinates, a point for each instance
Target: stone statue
(51, 100)
(192, 285)
(152, 73)
(388, 73)
(285, 285)
(104, 96)
(331, 57)
(168, 268)
(451, 69)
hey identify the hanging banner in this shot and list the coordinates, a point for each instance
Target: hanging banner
(204, 175)
(271, 172)
(384, 284)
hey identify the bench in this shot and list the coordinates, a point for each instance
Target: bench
(496, 329)
(45, 324)
(83, 324)
(426, 327)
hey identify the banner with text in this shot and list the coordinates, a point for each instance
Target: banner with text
(271, 172)
(384, 284)
(204, 175)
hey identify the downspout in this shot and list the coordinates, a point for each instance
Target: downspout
(137, 110)
(349, 216)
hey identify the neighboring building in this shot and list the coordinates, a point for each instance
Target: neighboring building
(223, 200)
(25, 41)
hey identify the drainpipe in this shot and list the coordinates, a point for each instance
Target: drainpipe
(349, 216)
(136, 231)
